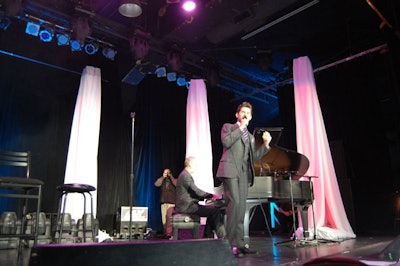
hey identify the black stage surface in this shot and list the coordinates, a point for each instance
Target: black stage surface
(273, 250)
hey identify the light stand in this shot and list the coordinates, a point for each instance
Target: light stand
(131, 176)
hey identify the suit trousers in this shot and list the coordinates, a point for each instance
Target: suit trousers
(235, 195)
(214, 221)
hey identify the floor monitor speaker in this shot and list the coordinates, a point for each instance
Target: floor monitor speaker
(146, 252)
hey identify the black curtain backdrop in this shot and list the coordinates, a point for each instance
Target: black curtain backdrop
(38, 87)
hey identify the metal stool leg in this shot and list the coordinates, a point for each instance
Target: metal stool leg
(92, 218)
(83, 217)
(37, 216)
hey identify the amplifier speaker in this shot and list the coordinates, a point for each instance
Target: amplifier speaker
(176, 252)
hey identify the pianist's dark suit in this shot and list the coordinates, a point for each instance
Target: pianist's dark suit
(236, 172)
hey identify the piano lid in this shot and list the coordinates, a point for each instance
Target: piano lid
(279, 162)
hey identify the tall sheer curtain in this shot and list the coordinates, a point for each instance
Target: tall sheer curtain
(198, 134)
(84, 140)
(330, 217)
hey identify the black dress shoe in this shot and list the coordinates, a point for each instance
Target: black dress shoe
(246, 250)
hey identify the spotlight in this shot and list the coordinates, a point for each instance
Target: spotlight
(109, 53)
(62, 39)
(46, 35)
(139, 44)
(80, 28)
(130, 8)
(161, 72)
(75, 45)
(32, 28)
(189, 5)
(91, 48)
(4, 23)
(171, 76)
(181, 81)
(175, 57)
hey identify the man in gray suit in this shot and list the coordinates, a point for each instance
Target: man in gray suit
(236, 172)
(187, 197)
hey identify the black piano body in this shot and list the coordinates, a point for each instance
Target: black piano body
(277, 180)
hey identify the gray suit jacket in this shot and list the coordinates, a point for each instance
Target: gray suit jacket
(233, 149)
(188, 194)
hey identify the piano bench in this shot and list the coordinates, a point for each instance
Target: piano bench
(185, 221)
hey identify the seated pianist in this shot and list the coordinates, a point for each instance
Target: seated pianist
(188, 196)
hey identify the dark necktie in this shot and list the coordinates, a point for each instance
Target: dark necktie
(245, 134)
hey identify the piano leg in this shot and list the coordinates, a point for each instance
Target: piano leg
(304, 219)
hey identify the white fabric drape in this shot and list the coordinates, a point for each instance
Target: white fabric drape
(330, 216)
(198, 136)
(84, 141)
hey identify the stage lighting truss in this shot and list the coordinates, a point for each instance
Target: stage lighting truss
(46, 31)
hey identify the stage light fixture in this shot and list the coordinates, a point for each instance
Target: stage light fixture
(171, 76)
(189, 5)
(181, 81)
(91, 48)
(81, 28)
(46, 35)
(130, 8)
(139, 43)
(109, 53)
(32, 28)
(161, 72)
(5, 23)
(62, 39)
(75, 45)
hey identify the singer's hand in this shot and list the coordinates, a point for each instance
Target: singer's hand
(266, 136)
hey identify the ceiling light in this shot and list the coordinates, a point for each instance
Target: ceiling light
(130, 8)
(189, 5)
(32, 28)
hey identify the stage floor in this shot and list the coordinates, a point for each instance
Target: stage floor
(278, 250)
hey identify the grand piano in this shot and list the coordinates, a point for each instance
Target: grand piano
(277, 179)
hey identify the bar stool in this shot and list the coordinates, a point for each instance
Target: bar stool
(83, 189)
(185, 221)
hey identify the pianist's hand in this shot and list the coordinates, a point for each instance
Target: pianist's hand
(216, 197)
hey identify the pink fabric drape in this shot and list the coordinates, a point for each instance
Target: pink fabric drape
(198, 134)
(330, 217)
(84, 140)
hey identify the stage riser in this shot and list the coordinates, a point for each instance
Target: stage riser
(182, 252)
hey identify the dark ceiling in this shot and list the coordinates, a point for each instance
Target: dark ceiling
(215, 38)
